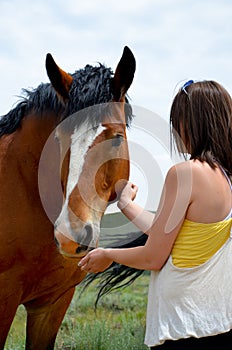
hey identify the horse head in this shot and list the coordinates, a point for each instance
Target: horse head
(94, 155)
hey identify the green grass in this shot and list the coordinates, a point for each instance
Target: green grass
(117, 324)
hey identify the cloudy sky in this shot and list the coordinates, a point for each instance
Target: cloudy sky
(172, 40)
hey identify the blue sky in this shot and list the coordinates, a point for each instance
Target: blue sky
(172, 40)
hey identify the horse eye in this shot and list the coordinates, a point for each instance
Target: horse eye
(117, 140)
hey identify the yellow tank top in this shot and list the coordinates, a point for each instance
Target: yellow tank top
(198, 242)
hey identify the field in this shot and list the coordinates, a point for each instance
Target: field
(117, 324)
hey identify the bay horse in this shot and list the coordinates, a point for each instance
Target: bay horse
(32, 270)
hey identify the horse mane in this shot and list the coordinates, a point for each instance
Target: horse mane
(91, 85)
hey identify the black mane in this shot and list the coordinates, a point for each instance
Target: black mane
(90, 86)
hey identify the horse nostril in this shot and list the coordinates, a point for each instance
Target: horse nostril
(85, 243)
(89, 230)
(89, 234)
(56, 241)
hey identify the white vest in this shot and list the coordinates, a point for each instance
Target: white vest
(190, 302)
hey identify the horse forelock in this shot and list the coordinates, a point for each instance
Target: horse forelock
(91, 85)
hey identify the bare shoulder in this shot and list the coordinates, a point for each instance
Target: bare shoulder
(180, 172)
(192, 173)
(210, 193)
(184, 168)
(204, 191)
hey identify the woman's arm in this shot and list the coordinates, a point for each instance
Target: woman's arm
(140, 217)
(175, 198)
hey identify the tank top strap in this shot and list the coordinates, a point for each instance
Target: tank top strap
(226, 176)
(229, 216)
(230, 184)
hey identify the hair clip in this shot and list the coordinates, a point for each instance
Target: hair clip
(189, 82)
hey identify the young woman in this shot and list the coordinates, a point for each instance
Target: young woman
(189, 246)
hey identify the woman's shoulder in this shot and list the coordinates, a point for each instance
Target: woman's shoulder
(189, 165)
(180, 176)
(181, 169)
(188, 173)
(201, 185)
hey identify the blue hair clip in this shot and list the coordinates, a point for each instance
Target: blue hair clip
(189, 82)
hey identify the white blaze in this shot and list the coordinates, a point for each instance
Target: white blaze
(81, 139)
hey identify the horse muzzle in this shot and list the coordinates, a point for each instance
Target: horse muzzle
(77, 248)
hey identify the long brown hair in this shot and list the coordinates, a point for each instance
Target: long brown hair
(201, 119)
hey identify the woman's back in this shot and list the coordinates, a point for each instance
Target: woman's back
(211, 196)
(206, 226)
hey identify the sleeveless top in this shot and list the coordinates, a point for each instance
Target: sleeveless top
(191, 296)
(197, 242)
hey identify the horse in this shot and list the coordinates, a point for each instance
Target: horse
(38, 254)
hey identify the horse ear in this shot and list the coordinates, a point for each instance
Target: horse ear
(60, 80)
(124, 75)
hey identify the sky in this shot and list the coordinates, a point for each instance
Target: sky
(172, 41)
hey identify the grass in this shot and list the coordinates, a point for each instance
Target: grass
(117, 324)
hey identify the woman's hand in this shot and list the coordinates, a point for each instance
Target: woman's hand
(128, 194)
(95, 261)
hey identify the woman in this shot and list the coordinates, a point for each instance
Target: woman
(189, 246)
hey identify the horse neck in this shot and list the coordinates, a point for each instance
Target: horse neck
(20, 151)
